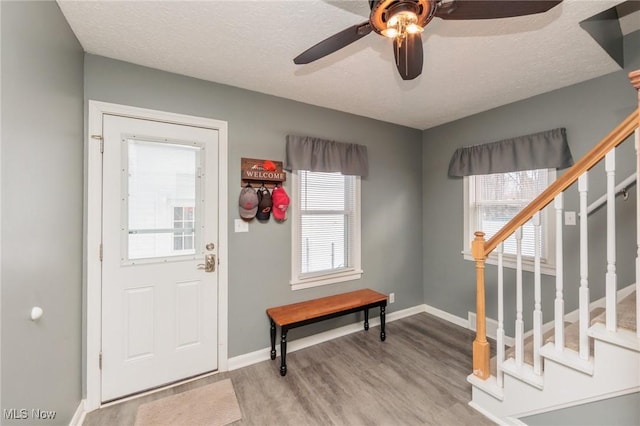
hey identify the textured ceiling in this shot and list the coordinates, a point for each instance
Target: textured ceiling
(470, 66)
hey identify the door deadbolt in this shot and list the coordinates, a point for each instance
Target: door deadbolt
(210, 246)
(209, 264)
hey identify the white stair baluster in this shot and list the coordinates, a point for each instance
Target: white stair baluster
(519, 321)
(559, 302)
(583, 188)
(500, 330)
(611, 277)
(537, 310)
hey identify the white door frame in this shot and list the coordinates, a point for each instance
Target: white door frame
(94, 233)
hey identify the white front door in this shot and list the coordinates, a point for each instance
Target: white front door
(159, 229)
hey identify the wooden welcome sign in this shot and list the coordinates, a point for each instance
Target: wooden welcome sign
(256, 171)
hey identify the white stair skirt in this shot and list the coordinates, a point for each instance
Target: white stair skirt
(616, 371)
(567, 379)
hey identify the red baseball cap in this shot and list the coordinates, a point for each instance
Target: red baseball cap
(280, 201)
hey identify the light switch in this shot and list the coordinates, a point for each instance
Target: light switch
(570, 218)
(241, 226)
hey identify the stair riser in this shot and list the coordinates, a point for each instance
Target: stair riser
(616, 370)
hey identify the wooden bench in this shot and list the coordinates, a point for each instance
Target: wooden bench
(310, 311)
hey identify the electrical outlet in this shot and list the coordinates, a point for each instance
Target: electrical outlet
(392, 297)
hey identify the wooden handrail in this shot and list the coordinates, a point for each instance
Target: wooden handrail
(481, 248)
(597, 153)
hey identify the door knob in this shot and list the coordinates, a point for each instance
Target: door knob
(209, 264)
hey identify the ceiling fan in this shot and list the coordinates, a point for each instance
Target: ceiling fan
(404, 20)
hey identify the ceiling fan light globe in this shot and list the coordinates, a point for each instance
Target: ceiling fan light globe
(414, 29)
(390, 32)
(404, 16)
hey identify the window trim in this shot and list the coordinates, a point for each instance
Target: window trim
(328, 277)
(547, 266)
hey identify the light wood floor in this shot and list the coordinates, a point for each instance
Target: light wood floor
(416, 377)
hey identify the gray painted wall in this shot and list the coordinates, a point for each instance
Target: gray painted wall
(42, 156)
(405, 199)
(259, 263)
(589, 111)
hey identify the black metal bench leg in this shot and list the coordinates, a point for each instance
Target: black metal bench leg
(273, 340)
(283, 352)
(366, 319)
(382, 316)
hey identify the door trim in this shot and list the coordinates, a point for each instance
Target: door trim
(93, 223)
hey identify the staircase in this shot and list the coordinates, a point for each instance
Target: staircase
(566, 379)
(567, 361)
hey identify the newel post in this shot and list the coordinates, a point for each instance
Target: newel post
(480, 344)
(634, 76)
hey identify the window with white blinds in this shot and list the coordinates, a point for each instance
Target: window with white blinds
(326, 228)
(493, 200)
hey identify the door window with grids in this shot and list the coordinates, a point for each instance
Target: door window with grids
(326, 228)
(183, 223)
(491, 201)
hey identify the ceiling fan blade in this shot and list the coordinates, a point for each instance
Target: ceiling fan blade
(333, 43)
(409, 56)
(492, 9)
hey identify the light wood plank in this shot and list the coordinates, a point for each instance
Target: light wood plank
(418, 377)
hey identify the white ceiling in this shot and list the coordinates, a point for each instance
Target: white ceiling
(469, 67)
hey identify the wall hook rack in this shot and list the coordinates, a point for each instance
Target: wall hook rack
(257, 172)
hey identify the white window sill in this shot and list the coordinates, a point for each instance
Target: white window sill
(325, 279)
(510, 262)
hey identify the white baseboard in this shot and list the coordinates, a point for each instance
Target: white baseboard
(491, 328)
(78, 416)
(446, 316)
(248, 359)
(260, 355)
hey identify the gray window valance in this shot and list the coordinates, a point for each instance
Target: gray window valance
(319, 155)
(544, 150)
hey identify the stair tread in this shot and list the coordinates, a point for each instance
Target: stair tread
(528, 347)
(572, 333)
(625, 312)
(626, 319)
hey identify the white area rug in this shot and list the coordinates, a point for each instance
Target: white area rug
(211, 405)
